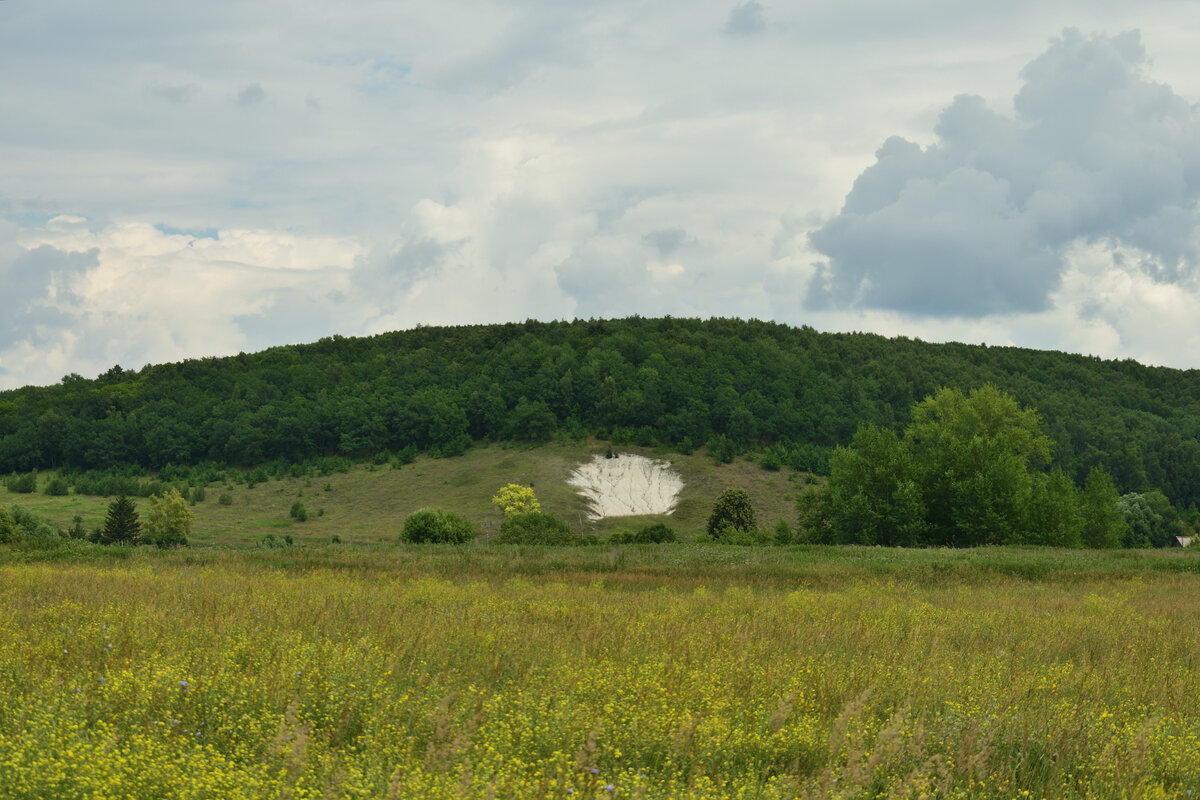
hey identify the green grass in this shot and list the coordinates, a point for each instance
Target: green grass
(370, 504)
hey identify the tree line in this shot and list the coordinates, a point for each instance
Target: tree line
(970, 469)
(793, 394)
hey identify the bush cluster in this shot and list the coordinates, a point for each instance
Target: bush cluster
(535, 527)
(434, 526)
(25, 483)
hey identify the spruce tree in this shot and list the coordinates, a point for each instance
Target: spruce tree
(121, 524)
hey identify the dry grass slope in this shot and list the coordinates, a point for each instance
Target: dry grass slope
(370, 504)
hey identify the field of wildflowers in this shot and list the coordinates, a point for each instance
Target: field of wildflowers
(508, 673)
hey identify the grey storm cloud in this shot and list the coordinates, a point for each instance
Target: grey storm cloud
(28, 280)
(666, 240)
(978, 223)
(745, 19)
(386, 272)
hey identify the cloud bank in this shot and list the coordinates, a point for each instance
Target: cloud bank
(185, 181)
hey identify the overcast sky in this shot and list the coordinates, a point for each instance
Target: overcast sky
(183, 180)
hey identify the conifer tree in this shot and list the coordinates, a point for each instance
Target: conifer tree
(121, 523)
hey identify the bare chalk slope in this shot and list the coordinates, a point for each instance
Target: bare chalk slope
(627, 485)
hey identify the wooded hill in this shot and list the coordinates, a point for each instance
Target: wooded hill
(733, 385)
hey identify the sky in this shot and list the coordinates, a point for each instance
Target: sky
(187, 180)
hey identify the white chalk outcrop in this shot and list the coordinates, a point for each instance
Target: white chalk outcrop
(627, 485)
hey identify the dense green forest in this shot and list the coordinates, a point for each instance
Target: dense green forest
(733, 385)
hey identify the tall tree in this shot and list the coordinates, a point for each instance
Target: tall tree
(875, 497)
(976, 453)
(1054, 514)
(1103, 523)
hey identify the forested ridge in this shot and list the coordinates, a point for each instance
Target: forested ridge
(733, 385)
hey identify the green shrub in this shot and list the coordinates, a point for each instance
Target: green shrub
(273, 542)
(657, 533)
(9, 532)
(255, 476)
(783, 532)
(743, 538)
(56, 487)
(198, 494)
(722, 449)
(298, 512)
(534, 527)
(435, 525)
(22, 484)
(226, 499)
(651, 534)
(773, 457)
(76, 530)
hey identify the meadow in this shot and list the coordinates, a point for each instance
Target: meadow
(672, 671)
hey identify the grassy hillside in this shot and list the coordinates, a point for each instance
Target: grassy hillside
(369, 503)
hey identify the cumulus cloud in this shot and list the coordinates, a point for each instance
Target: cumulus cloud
(984, 220)
(80, 300)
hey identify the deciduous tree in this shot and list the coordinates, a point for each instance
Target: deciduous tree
(1103, 523)
(168, 520)
(731, 512)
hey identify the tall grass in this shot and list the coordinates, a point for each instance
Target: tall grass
(605, 672)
